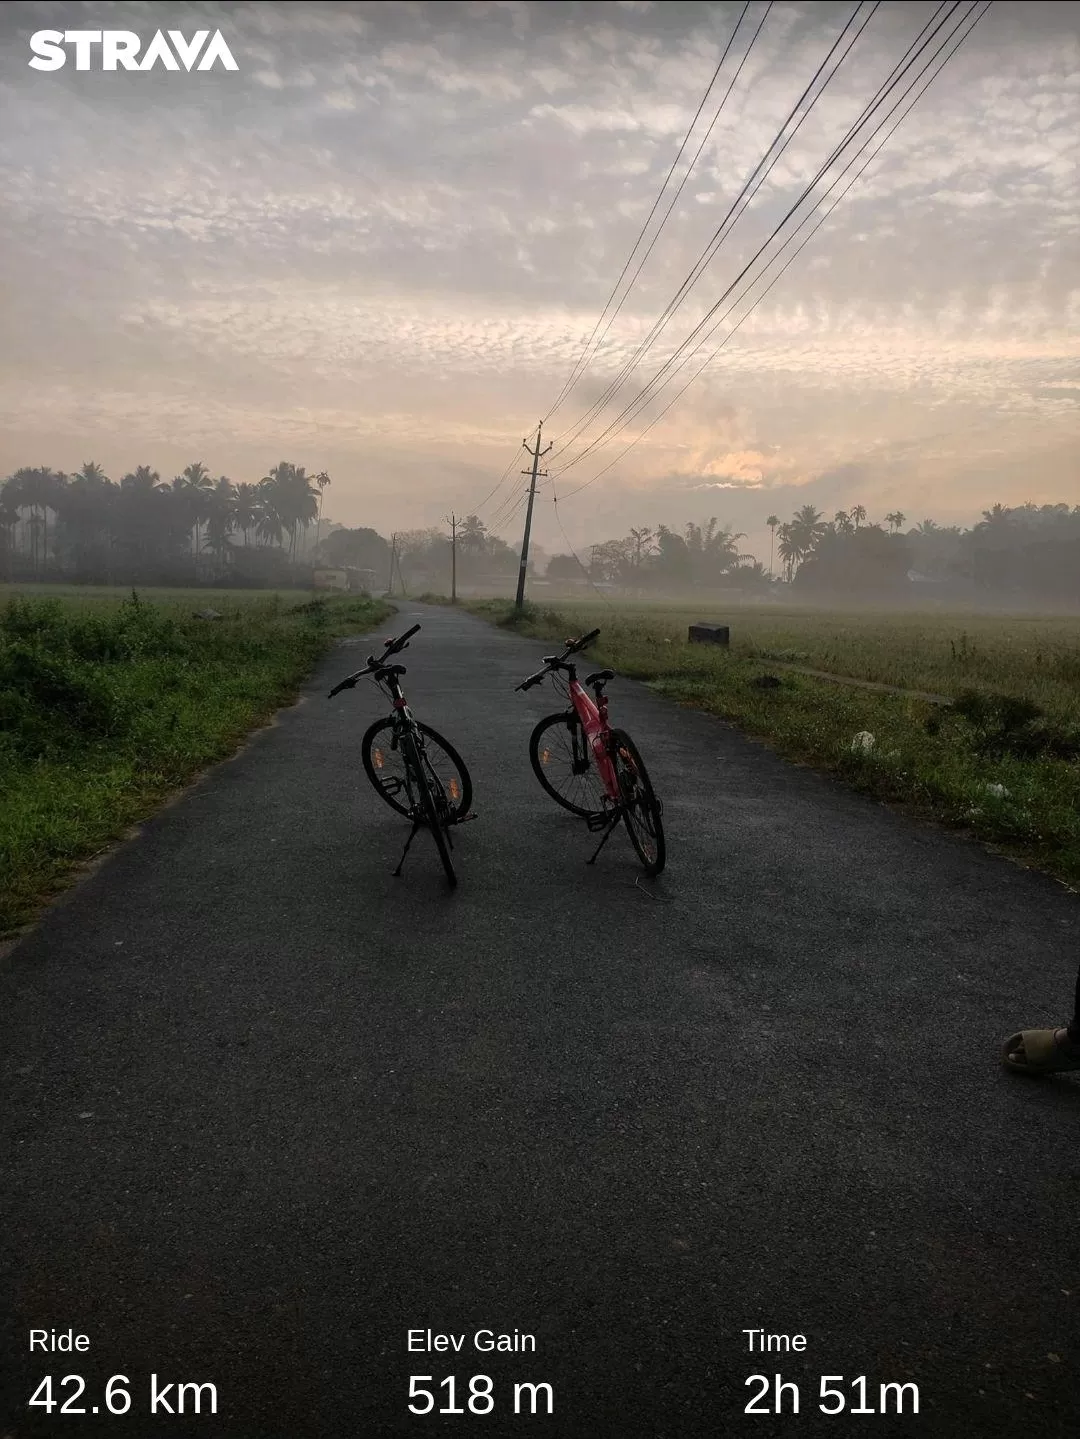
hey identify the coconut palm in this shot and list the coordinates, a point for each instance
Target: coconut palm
(805, 530)
(245, 508)
(35, 489)
(86, 512)
(895, 520)
(9, 518)
(789, 550)
(293, 497)
(472, 535)
(858, 514)
(997, 517)
(322, 479)
(842, 523)
(141, 478)
(772, 523)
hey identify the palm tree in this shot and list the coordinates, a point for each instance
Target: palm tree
(858, 514)
(772, 523)
(842, 522)
(789, 550)
(472, 534)
(926, 527)
(196, 479)
(805, 530)
(86, 509)
(997, 517)
(141, 478)
(322, 479)
(220, 516)
(9, 518)
(293, 498)
(245, 507)
(896, 520)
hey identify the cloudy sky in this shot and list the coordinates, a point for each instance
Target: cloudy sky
(381, 245)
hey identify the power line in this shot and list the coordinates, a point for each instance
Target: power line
(509, 511)
(569, 546)
(509, 505)
(498, 484)
(582, 363)
(727, 224)
(791, 258)
(691, 340)
(955, 45)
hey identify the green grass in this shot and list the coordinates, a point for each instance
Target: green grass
(1015, 722)
(109, 703)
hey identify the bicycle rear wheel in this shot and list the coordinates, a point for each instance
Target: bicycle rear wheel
(641, 809)
(384, 766)
(561, 761)
(434, 807)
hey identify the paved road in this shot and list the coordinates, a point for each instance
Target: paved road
(267, 1109)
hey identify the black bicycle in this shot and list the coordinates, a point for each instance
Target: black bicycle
(417, 772)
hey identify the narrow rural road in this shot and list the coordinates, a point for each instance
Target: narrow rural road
(268, 1109)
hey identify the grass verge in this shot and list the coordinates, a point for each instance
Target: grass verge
(999, 765)
(105, 711)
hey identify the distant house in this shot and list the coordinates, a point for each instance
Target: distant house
(343, 577)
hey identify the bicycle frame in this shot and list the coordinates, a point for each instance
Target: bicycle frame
(594, 721)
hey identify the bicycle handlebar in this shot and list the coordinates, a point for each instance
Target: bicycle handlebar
(557, 661)
(391, 647)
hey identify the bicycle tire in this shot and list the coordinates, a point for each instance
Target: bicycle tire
(629, 764)
(545, 739)
(430, 809)
(369, 749)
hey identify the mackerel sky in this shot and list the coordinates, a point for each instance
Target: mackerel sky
(378, 248)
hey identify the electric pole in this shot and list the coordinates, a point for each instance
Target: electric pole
(451, 520)
(393, 552)
(537, 454)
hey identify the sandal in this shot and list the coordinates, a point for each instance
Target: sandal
(1040, 1051)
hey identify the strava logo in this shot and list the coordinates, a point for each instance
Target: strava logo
(120, 49)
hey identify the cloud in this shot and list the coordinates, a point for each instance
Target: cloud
(389, 238)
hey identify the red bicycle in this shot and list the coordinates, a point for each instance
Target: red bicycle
(589, 768)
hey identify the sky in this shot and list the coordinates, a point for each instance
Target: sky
(380, 247)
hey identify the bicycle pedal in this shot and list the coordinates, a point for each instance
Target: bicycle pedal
(465, 818)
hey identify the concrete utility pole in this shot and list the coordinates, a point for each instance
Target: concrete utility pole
(393, 552)
(537, 455)
(451, 520)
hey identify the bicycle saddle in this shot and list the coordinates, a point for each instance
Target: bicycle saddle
(601, 677)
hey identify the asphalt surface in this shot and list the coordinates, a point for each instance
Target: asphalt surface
(266, 1108)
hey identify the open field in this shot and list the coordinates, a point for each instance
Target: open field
(108, 703)
(187, 599)
(1003, 761)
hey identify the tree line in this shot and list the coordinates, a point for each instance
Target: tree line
(87, 528)
(1026, 550)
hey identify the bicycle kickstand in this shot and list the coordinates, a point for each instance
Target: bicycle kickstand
(404, 852)
(606, 837)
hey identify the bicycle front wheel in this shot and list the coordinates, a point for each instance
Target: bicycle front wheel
(434, 807)
(561, 761)
(641, 808)
(384, 765)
